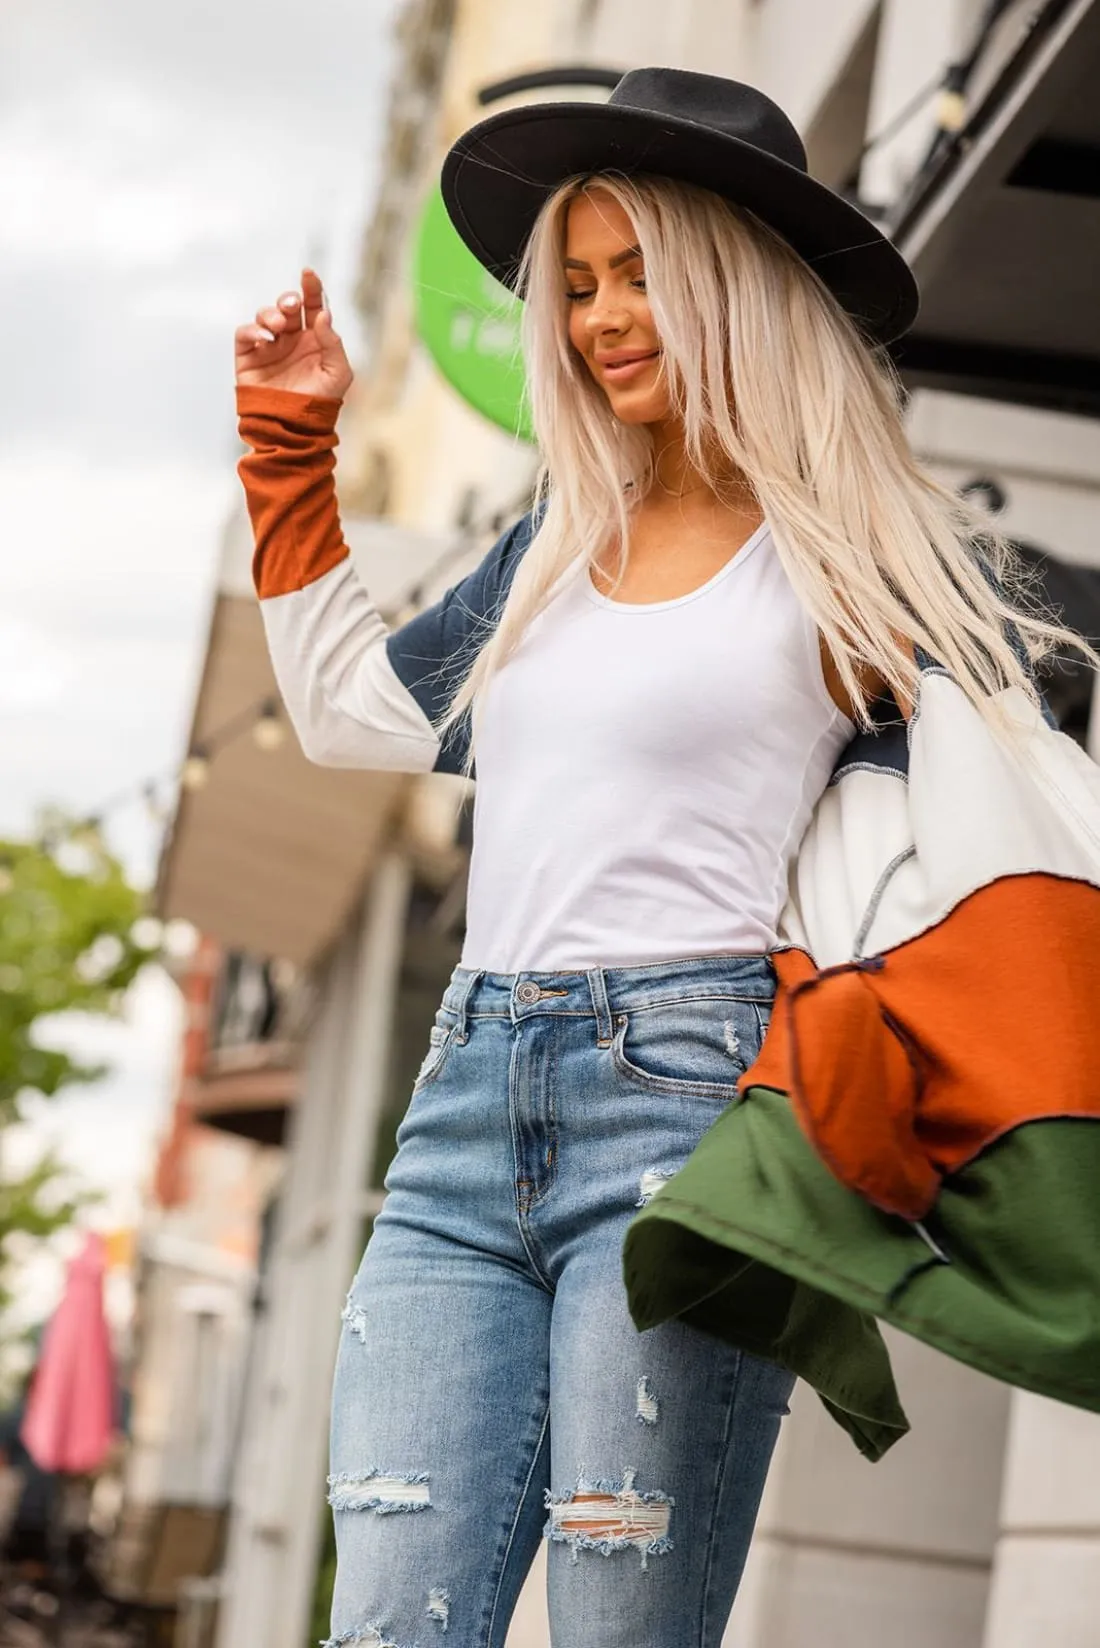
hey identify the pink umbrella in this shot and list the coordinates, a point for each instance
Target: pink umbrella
(70, 1411)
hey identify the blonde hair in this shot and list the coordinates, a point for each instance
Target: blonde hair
(772, 378)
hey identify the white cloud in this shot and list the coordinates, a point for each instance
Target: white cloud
(108, 605)
(115, 169)
(126, 177)
(192, 301)
(33, 669)
(112, 544)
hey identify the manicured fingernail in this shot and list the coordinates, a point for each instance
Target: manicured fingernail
(290, 301)
(266, 337)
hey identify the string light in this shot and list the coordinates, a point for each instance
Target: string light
(154, 806)
(196, 769)
(269, 729)
(264, 720)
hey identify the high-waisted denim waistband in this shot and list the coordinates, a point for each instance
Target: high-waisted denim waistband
(601, 992)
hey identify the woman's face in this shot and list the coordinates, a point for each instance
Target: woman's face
(610, 324)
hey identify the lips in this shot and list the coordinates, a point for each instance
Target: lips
(620, 367)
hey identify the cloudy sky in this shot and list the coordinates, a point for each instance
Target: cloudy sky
(164, 170)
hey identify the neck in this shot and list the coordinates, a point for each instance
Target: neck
(676, 476)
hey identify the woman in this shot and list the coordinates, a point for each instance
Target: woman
(731, 563)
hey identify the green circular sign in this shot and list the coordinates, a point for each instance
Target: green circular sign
(469, 322)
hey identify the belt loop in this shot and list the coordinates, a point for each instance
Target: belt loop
(465, 992)
(597, 984)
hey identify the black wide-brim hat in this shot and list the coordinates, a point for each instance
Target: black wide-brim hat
(700, 129)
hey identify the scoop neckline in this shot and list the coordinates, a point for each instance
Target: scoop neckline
(724, 571)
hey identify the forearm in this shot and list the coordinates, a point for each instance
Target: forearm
(326, 637)
(290, 487)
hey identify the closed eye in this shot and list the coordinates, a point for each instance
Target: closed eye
(573, 296)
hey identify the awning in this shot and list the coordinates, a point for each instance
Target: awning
(1002, 226)
(270, 855)
(248, 1091)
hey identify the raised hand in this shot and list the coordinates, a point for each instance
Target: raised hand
(292, 345)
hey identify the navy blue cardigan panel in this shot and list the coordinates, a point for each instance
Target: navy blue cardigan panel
(432, 652)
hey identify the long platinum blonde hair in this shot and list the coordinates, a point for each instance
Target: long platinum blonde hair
(771, 378)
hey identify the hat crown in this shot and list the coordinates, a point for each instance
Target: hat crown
(710, 100)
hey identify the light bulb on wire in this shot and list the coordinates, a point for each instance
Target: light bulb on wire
(269, 730)
(196, 769)
(154, 806)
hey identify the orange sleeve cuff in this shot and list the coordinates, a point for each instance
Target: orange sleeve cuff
(290, 489)
(286, 406)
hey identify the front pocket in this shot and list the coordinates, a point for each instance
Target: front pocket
(696, 1047)
(440, 1039)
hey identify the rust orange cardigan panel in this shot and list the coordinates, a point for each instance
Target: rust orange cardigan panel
(290, 487)
(903, 1074)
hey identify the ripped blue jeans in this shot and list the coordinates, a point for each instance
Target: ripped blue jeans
(491, 1387)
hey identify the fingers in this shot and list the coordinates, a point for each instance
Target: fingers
(283, 316)
(251, 337)
(280, 320)
(290, 313)
(313, 296)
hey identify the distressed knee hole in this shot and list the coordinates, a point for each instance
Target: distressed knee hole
(380, 1491)
(651, 1181)
(354, 1318)
(605, 1517)
(439, 1606)
(647, 1411)
(364, 1636)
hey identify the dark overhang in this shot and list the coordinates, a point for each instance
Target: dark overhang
(1002, 225)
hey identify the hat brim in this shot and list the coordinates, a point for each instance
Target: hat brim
(498, 174)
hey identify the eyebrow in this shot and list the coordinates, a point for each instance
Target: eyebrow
(612, 263)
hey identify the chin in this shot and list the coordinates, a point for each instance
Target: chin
(639, 408)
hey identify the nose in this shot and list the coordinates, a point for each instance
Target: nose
(606, 316)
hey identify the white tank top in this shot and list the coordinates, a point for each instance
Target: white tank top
(645, 773)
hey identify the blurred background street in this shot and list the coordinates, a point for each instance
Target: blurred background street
(218, 963)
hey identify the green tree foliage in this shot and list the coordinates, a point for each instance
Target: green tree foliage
(70, 941)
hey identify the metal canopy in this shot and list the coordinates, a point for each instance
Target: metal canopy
(1003, 227)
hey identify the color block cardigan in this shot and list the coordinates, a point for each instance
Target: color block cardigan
(918, 1141)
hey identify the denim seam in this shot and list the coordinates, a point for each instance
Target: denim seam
(537, 1010)
(540, 1196)
(722, 1091)
(629, 1005)
(680, 964)
(521, 1222)
(515, 1522)
(436, 1069)
(712, 1520)
(552, 1113)
(649, 1004)
(552, 1173)
(601, 1007)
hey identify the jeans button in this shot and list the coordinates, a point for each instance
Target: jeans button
(527, 993)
